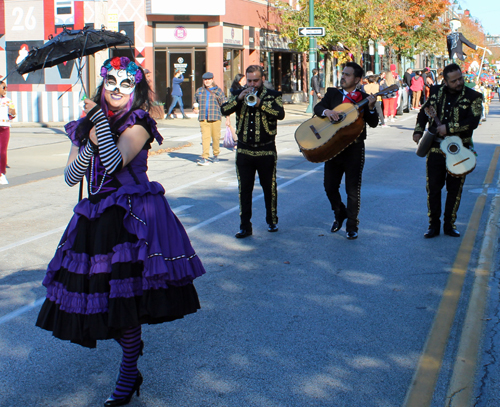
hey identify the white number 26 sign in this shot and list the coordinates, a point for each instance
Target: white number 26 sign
(24, 20)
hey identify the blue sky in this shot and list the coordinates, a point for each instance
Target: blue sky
(486, 11)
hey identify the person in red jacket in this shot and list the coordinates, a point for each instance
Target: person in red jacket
(417, 86)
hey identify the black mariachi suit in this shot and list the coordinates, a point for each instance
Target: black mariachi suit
(349, 162)
(256, 150)
(461, 114)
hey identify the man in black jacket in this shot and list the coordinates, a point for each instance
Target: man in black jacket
(459, 109)
(256, 148)
(351, 160)
(315, 88)
(407, 79)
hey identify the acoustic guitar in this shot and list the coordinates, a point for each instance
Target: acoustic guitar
(459, 159)
(320, 139)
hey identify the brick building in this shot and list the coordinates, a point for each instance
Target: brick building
(221, 36)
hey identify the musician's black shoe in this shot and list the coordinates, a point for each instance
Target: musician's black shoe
(450, 231)
(272, 227)
(351, 235)
(337, 224)
(431, 232)
(243, 233)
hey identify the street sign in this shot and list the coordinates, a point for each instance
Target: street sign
(312, 31)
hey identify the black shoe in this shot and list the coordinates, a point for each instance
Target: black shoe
(111, 402)
(431, 232)
(243, 233)
(451, 231)
(141, 353)
(351, 235)
(272, 227)
(337, 224)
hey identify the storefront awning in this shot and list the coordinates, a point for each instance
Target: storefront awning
(273, 41)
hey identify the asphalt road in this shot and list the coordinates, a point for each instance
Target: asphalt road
(302, 317)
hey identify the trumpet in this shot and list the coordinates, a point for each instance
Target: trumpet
(251, 98)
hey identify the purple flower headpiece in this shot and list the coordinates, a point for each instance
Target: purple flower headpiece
(122, 63)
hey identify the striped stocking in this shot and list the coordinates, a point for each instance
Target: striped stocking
(132, 346)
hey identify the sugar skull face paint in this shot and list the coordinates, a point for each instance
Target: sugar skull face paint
(120, 80)
(120, 73)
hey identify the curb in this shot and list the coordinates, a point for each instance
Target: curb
(461, 387)
(295, 109)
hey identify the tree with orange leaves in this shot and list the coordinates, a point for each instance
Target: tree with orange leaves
(420, 28)
(406, 26)
(350, 23)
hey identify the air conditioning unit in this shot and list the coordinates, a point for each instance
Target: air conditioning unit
(64, 12)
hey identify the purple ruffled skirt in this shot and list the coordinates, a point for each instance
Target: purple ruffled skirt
(123, 261)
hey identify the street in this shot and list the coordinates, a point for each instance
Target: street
(302, 317)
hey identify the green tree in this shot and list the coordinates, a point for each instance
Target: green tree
(351, 23)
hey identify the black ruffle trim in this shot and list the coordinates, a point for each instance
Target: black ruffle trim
(153, 307)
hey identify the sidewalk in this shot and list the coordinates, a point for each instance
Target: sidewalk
(295, 113)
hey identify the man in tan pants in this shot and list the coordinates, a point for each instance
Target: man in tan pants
(209, 99)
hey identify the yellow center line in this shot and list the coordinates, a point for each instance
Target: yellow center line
(424, 381)
(460, 390)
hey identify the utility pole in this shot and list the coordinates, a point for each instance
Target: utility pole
(312, 55)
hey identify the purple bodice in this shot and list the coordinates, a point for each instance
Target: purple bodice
(99, 181)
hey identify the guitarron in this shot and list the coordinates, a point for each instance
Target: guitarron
(320, 140)
(459, 159)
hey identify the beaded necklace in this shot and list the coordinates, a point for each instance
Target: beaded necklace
(92, 177)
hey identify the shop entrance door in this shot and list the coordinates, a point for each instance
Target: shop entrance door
(183, 60)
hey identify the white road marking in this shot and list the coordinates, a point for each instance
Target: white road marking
(237, 207)
(31, 239)
(181, 208)
(197, 181)
(213, 219)
(62, 228)
(22, 310)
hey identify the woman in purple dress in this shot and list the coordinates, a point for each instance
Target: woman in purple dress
(124, 259)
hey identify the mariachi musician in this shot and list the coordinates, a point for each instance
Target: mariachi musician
(351, 160)
(459, 110)
(258, 110)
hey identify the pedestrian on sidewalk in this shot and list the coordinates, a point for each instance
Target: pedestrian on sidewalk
(125, 259)
(256, 149)
(176, 95)
(407, 80)
(315, 87)
(7, 113)
(389, 100)
(429, 82)
(371, 88)
(208, 101)
(417, 86)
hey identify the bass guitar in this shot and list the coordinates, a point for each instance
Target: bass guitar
(459, 159)
(320, 139)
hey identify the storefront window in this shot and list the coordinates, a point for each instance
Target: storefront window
(232, 67)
